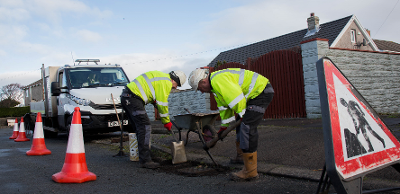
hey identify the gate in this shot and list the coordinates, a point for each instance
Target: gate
(284, 69)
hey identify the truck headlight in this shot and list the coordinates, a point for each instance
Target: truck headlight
(79, 101)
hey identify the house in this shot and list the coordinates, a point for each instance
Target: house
(371, 65)
(344, 33)
(33, 92)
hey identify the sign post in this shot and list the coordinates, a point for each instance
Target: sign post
(357, 141)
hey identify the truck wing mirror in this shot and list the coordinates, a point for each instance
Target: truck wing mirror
(55, 89)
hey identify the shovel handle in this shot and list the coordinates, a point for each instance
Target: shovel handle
(224, 133)
(179, 130)
(173, 134)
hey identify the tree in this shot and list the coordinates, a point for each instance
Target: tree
(11, 95)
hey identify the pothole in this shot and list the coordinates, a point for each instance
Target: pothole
(190, 169)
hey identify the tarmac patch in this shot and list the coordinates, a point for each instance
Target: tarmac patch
(191, 169)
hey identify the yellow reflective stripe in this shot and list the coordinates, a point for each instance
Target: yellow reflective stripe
(150, 86)
(252, 84)
(221, 108)
(241, 77)
(162, 103)
(241, 73)
(236, 100)
(228, 120)
(242, 113)
(148, 81)
(145, 99)
(164, 115)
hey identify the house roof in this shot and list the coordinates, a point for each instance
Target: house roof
(385, 45)
(330, 30)
(36, 83)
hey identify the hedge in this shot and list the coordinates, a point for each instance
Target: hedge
(14, 111)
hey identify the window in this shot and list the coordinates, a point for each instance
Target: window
(353, 36)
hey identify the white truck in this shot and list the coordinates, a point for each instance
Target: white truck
(88, 86)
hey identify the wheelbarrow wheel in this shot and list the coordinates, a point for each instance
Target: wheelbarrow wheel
(208, 133)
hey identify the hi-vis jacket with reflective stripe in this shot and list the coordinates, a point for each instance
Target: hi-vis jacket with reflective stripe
(154, 86)
(232, 88)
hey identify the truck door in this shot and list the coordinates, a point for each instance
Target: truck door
(62, 81)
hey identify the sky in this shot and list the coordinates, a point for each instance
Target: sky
(160, 35)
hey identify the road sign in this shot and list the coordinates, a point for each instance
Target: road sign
(357, 141)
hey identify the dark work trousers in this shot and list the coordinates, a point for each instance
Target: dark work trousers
(134, 107)
(246, 132)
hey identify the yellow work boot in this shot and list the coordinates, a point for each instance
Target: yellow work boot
(239, 155)
(249, 170)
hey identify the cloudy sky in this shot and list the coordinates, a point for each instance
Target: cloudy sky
(160, 35)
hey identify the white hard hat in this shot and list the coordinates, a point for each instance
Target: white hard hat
(179, 77)
(196, 76)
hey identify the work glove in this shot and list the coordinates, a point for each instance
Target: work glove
(168, 126)
(221, 129)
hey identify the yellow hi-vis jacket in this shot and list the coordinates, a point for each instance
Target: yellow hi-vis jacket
(154, 86)
(232, 88)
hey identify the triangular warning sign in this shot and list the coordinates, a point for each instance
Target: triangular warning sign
(358, 140)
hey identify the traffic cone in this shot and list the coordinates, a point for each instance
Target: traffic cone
(75, 169)
(38, 146)
(15, 131)
(21, 133)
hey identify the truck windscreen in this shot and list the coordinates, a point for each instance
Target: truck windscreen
(86, 77)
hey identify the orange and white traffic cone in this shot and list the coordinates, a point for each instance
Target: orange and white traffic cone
(38, 146)
(21, 133)
(75, 169)
(15, 131)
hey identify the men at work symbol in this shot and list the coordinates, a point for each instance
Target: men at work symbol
(360, 124)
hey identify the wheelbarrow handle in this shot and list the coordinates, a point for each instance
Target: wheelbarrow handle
(175, 124)
(224, 133)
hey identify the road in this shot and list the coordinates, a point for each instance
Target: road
(20, 173)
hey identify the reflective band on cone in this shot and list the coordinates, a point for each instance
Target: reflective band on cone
(75, 169)
(21, 133)
(38, 146)
(15, 131)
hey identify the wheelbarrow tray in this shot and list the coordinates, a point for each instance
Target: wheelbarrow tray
(188, 121)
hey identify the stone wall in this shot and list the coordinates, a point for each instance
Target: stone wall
(375, 75)
(178, 100)
(311, 52)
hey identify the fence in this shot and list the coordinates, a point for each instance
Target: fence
(284, 69)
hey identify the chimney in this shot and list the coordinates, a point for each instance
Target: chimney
(369, 32)
(313, 25)
(313, 22)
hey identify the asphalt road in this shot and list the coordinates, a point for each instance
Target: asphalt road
(20, 173)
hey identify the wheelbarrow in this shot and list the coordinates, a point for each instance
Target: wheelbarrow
(206, 122)
(203, 125)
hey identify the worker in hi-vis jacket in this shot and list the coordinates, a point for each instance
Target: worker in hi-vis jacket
(151, 87)
(243, 92)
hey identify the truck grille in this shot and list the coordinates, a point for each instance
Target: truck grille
(104, 106)
(111, 117)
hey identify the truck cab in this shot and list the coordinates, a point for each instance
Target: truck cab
(94, 88)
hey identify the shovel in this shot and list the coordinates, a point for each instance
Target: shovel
(178, 150)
